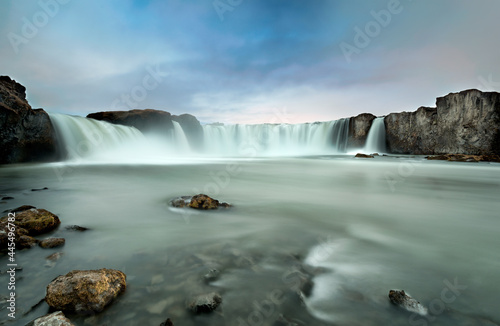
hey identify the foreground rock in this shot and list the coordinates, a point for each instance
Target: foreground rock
(461, 123)
(403, 300)
(465, 158)
(204, 303)
(28, 222)
(85, 292)
(26, 135)
(54, 319)
(200, 201)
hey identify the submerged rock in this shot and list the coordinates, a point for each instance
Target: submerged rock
(200, 201)
(167, 322)
(44, 188)
(54, 319)
(7, 198)
(52, 242)
(76, 228)
(403, 300)
(465, 158)
(204, 303)
(85, 292)
(361, 155)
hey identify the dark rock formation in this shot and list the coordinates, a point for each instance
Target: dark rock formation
(76, 228)
(465, 158)
(85, 292)
(167, 322)
(155, 122)
(204, 303)
(359, 127)
(26, 135)
(403, 300)
(462, 123)
(361, 155)
(52, 242)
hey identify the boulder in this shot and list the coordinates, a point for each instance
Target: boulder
(204, 303)
(403, 300)
(359, 127)
(26, 135)
(52, 243)
(35, 221)
(461, 123)
(200, 201)
(361, 155)
(54, 319)
(85, 291)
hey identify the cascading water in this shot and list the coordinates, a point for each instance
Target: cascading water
(277, 139)
(375, 142)
(93, 140)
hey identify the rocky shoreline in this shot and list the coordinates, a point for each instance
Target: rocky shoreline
(466, 123)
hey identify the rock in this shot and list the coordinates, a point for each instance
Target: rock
(85, 292)
(359, 127)
(44, 188)
(76, 228)
(21, 208)
(167, 322)
(26, 135)
(211, 275)
(54, 319)
(360, 155)
(403, 300)
(181, 202)
(7, 198)
(25, 241)
(202, 201)
(204, 303)
(192, 128)
(52, 242)
(462, 123)
(465, 158)
(35, 221)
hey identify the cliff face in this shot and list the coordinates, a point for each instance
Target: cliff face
(359, 127)
(155, 122)
(26, 135)
(462, 123)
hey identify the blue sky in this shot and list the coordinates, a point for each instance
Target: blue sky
(242, 61)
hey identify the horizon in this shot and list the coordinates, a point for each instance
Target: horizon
(248, 62)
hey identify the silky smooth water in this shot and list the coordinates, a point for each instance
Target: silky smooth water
(362, 227)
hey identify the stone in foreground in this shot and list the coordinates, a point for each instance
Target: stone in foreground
(52, 243)
(85, 292)
(204, 303)
(403, 300)
(360, 155)
(54, 319)
(36, 221)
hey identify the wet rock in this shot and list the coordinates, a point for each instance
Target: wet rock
(200, 201)
(25, 241)
(76, 228)
(167, 322)
(85, 292)
(359, 127)
(21, 208)
(204, 303)
(403, 300)
(212, 275)
(54, 319)
(7, 198)
(465, 158)
(44, 188)
(35, 221)
(361, 155)
(52, 243)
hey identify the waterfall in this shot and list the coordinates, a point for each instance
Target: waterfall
(375, 142)
(318, 138)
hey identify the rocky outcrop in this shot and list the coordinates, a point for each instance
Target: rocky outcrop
(359, 127)
(462, 123)
(54, 319)
(26, 135)
(85, 292)
(155, 122)
(404, 301)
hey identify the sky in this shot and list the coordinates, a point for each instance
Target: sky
(249, 61)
